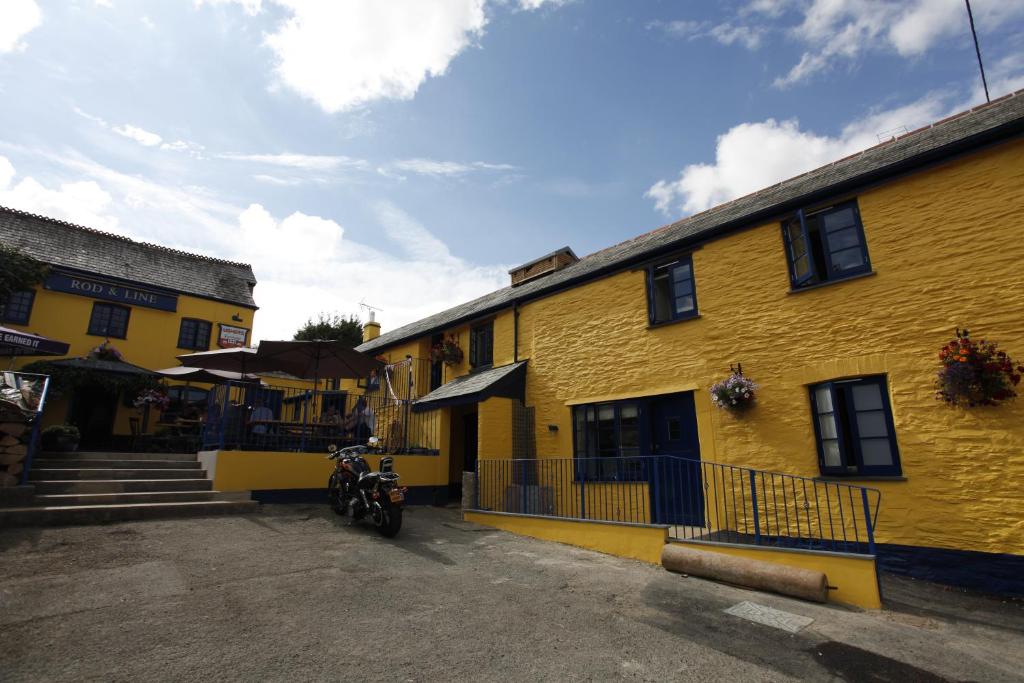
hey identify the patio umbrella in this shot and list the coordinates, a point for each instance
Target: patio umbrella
(239, 359)
(18, 343)
(320, 358)
(190, 374)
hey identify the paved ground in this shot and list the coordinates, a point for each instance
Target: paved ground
(293, 593)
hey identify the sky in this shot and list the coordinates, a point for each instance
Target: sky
(406, 153)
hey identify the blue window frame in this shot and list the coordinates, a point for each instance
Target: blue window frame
(108, 320)
(604, 433)
(823, 245)
(194, 334)
(854, 428)
(481, 345)
(18, 307)
(671, 291)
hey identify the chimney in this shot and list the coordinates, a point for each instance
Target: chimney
(545, 265)
(371, 328)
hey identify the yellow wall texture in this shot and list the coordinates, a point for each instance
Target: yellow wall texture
(945, 248)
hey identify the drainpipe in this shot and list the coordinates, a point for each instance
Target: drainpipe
(515, 331)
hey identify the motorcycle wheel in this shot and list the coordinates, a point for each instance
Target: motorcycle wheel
(388, 520)
(336, 495)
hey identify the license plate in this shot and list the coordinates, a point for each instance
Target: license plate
(396, 496)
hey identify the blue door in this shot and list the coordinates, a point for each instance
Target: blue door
(677, 493)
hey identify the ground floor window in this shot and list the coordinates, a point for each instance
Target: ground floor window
(854, 428)
(187, 403)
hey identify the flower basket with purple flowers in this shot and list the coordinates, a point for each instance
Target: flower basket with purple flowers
(975, 373)
(447, 351)
(735, 393)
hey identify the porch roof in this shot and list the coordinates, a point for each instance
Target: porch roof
(507, 381)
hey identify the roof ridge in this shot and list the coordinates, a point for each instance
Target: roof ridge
(104, 233)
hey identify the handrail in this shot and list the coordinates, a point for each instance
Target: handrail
(697, 500)
(37, 419)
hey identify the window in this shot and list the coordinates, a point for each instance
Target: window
(109, 320)
(854, 428)
(194, 334)
(187, 403)
(825, 245)
(671, 291)
(603, 434)
(18, 307)
(481, 345)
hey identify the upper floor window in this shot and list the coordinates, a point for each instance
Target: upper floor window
(825, 244)
(854, 428)
(18, 307)
(109, 320)
(481, 345)
(194, 334)
(671, 291)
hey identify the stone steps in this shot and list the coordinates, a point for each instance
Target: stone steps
(93, 514)
(91, 488)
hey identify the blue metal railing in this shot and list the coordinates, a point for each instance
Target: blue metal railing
(34, 417)
(697, 500)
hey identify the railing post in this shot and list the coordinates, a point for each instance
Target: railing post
(753, 504)
(224, 414)
(583, 490)
(33, 442)
(476, 490)
(868, 522)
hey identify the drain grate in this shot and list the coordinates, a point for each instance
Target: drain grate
(769, 616)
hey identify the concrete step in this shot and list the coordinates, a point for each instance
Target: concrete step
(121, 485)
(97, 455)
(93, 514)
(63, 474)
(65, 499)
(68, 463)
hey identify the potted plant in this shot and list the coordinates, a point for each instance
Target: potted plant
(447, 351)
(975, 373)
(735, 393)
(62, 438)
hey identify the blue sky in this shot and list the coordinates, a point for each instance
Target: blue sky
(408, 152)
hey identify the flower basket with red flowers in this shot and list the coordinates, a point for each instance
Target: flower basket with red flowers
(975, 373)
(105, 351)
(447, 351)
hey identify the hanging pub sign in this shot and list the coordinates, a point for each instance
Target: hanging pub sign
(231, 336)
(95, 288)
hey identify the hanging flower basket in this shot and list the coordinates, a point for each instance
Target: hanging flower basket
(105, 352)
(735, 393)
(447, 351)
(975, 373)
(152, 397)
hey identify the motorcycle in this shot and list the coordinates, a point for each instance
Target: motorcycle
(352, 486)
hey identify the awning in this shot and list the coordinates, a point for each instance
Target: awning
(116, 367)
(508, 381)
(18, 343)
(187, 374)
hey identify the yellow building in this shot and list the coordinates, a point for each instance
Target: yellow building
(835, 291)
(146, 302)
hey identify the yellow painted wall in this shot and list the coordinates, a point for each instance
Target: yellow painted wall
(494, 429)
(855, 579)
(643, 543)
(270, 470)
(151, 340)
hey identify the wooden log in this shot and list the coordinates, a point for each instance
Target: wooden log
(17, 454)
(8, 479)
(16, 468)
(8, 440)
(15, 429)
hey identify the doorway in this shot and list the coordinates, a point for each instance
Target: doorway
(92, 410)
(462, 449)
(676, 484)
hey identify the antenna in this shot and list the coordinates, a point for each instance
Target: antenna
(371, 310)
(891, 134)
(977, 50)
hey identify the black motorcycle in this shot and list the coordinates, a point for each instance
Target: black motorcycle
(354, 487)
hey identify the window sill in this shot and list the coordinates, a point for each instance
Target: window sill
(654, 326)
(835, 479)
(105, 336)
(819, 285)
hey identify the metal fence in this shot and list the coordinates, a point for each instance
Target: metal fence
(697, 500)
(251, 416)
(26, 384)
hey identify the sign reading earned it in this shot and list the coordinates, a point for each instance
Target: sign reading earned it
(108, 291)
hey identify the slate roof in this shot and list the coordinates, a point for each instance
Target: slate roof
(506, 380)
(999, 119)
(60, 243)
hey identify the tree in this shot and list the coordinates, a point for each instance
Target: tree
(18, 271)
(332, 326)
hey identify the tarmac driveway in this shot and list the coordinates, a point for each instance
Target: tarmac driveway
(294, 593)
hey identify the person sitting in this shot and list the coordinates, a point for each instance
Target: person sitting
(259, 417)
(330, 416)
(359, 423)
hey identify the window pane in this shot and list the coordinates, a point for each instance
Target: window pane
(867, 396)
(823, 398)
(838, 219)
(827, 426)
(876, 452)
(681, 273)
(802, 267)
(796, 239)
(629, 430)
(872, 424)
(847, 259)
(842, 239)
(662, 297)
(830, 450)
(684, 304)
(683, 288)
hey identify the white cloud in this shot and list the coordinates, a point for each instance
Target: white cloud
(306, 162)
(251, 7)
(193, 149)
(725, 33)
(140, 135)
(346, 53)
(81, 202)
(752, 156)
(433, 167)
(104, 3)
(537, 4)
(17, 18)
